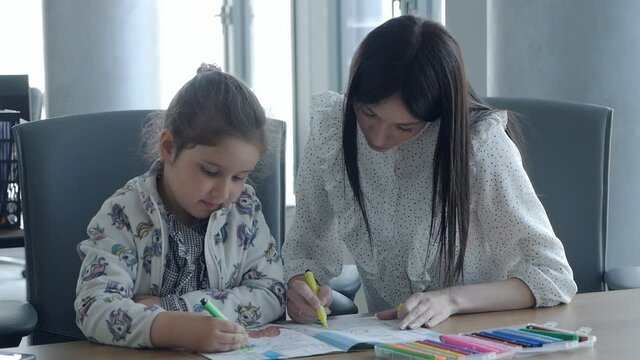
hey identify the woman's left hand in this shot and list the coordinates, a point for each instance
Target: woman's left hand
(147, 300)
(422, 309)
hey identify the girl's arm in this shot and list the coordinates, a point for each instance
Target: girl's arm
(196, 332)
(105, 310)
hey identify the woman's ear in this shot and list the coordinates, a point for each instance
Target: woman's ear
(167, 147)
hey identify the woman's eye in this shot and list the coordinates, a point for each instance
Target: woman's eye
(369, 114)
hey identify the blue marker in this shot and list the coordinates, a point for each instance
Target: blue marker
(534, 343)
(492, 336)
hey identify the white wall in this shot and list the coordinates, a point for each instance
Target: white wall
(587, 51)
(100, 55)
(467, 22)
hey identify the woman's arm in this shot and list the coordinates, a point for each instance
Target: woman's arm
(431, 308)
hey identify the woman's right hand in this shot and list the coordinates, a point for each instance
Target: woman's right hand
(197, 332)
(302, 302)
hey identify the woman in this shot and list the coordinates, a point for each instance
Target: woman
(423, 184)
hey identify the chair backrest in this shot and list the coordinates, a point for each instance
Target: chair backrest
(566, 153)
(68, 167)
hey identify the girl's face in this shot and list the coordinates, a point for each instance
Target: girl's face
(204, 179)
(387, 124)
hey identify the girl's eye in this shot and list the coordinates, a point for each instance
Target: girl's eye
(209, 173)
(404, 129)
(239, 178)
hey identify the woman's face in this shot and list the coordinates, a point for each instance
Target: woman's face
(387, 124)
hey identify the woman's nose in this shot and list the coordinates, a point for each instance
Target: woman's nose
(377, 136)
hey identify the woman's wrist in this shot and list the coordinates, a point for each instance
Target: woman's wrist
(454, 299)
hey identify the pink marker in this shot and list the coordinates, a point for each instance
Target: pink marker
(470, 343)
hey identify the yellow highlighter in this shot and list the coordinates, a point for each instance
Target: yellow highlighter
(313, 284)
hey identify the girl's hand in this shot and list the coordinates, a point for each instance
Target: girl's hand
(197, 332)
(147, 300)
(301, 302)
(422, 309)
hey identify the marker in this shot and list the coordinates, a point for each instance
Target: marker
(467, 343)
(313, 284)
(212, 309)
(554, 334)
(521, 337)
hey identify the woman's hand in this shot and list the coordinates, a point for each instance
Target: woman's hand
(422, 309)
(147, 300)
(301, 302)
(197, 332)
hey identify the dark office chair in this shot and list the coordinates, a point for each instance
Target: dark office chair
(566, 151)
(68, 167)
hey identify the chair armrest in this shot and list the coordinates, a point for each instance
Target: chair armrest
(348, 282)
(342, 305)
(625, 277)
(17, 319)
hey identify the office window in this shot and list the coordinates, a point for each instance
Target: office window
(189, 34)
(271, 69)
(21, 40)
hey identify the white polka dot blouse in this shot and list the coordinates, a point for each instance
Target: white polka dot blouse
(509, 232)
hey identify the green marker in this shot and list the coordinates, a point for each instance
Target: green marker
(555, 334)
(212, 309)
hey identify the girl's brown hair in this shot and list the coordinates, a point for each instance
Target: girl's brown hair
(208, 108)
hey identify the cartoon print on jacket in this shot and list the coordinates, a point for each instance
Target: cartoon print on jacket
(253, 274)
(248, 314)
(271, 254)
(244, 204)
(125, 254)
(97, 267)
(246, 235)
(222, 235)
(114, 287)
(150, 251)
(147, 202)
(119, 324)
(124, 190)
(217, 294)
(118, 218)
(277, 288)
(84, 308)
(143, 229)
(231, 282)
(96, 233)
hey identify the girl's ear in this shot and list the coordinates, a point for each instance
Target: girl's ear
(167, 147)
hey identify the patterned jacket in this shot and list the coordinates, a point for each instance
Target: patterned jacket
(125, 255)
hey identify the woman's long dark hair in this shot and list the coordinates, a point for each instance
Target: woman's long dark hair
(422, 63)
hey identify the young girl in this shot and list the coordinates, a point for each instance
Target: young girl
(188, 229)
(422, 183)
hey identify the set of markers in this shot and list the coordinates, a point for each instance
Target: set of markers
(515, 341)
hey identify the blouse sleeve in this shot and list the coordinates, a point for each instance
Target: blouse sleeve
(515, 223)
(311, 242)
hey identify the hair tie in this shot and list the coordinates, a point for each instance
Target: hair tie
(204, 67)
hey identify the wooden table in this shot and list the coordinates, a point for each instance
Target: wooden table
(614, 317)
